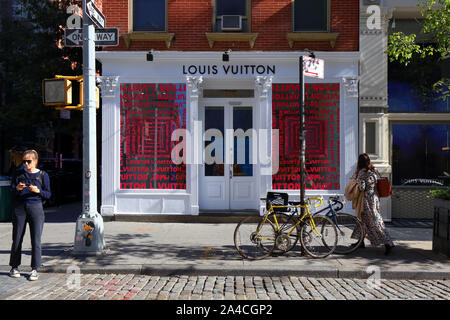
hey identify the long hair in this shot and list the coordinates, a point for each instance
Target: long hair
(364, 163)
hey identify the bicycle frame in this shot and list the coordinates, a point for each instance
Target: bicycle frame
(296, 207)
(331, 212)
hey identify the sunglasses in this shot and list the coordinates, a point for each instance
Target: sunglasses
(27, 161)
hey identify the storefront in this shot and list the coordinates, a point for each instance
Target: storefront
(189, 132)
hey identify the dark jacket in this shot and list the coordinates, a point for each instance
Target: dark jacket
(27, 196)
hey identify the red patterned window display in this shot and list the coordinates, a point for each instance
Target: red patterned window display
(322, 135)
(149, 113)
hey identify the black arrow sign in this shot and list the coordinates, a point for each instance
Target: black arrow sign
(103, 37)
(95, 14)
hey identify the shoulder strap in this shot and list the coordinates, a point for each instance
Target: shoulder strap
(40, 177)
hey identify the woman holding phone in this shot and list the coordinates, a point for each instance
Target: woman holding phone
(30, 188)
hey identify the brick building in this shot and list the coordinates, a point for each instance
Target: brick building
(197, 71)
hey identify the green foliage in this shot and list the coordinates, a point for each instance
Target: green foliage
(31, 50)
(404, 49)
(443, 194)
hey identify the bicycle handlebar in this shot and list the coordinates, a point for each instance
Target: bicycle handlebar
(336, 201)
(320, 199)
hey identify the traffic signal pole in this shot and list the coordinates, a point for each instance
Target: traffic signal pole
(89, 237)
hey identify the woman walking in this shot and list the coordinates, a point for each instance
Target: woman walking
(366, 176)
(30, 187)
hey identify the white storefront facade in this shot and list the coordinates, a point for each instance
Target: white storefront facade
(145, 102)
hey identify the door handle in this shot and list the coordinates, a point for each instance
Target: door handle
(231, 171)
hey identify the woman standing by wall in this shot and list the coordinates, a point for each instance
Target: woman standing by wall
(30, 187)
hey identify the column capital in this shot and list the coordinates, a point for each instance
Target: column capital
(194, 85)
(108, 85)
(263, 85)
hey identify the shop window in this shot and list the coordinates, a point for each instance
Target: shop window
(322, 135)
(237, 15)
(410, 88)
(420, 154)
(149, 15)
(149, 114)
(371, 138)
(310, 15)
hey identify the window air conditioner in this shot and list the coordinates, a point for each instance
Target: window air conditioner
(231, 23)
(371, 2)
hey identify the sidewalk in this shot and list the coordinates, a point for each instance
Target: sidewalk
(208, 249)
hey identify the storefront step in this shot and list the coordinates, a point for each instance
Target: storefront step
(203, 217)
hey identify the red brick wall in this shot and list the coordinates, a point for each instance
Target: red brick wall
(271, 19)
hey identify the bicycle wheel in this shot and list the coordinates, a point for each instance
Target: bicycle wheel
(253, 239)
(288, 232)
(350, 233)
(321, 241)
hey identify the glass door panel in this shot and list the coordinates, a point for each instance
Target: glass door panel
(242, 125)
(214, 122)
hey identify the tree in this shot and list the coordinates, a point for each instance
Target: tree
(31, 50)
(404, 49)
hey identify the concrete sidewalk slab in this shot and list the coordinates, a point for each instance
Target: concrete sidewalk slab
(208, 249)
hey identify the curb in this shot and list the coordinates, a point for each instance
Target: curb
(199, 270)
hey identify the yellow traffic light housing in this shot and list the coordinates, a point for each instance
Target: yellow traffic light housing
(64, 91)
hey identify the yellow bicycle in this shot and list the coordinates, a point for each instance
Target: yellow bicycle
(281, 227)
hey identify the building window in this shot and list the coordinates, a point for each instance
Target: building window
(149, 15)
(149, 114)
(322, 135)
(232, 8)
(410, 88)
(421, 154)
(371, 137)
(310, 15)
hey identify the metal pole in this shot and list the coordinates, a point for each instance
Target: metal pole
(302, 135)
(302, 140)
(89, 231)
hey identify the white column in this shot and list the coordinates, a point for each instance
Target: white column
(263, 86)
(373, 99)
(192, 167)
(110, 148)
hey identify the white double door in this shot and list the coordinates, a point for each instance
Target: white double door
(227, 176)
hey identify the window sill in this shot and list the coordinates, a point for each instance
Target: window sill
(311, 36)
(231, 36)
(148, 36)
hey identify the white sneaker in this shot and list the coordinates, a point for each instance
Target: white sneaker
(14, 273)
(33, 275)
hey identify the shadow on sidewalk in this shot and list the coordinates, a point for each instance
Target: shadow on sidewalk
(68, 212)
(123, 249)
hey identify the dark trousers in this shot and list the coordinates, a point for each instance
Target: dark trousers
(33, 214)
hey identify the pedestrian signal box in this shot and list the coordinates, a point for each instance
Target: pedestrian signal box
(65, 92)
(57, 92)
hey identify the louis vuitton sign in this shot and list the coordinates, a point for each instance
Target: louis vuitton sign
(229, 69)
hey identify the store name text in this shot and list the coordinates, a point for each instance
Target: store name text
(236, 69)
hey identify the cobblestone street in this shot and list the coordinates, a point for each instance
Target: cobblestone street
(141, 287)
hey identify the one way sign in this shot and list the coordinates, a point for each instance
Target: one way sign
(103, 37)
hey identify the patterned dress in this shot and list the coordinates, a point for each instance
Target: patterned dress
(370, 216)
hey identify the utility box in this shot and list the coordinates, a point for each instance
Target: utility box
(6, 200)
(89, 238)
(441, 227)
